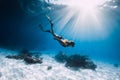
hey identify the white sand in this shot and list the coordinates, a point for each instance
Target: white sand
(11, 69)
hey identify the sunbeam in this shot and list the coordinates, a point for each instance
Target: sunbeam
(81, 20)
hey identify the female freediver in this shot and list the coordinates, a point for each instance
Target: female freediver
(63, 42)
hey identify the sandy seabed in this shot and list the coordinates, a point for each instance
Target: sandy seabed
(11, 69)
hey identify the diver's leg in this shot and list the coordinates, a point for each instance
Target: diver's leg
(51, 25)
(49, 20)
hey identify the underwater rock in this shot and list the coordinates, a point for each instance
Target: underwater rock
(49, 67)
(31, 60)
(14, 57)
(0, 74)
(90, 65)
(61, 57)
(75, 61)
(23, 54)
(79, 61)
(27, 57)
(116, 65)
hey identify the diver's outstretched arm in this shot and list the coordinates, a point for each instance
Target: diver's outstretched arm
(40, 26)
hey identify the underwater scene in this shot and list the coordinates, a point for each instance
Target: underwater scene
(59, 39)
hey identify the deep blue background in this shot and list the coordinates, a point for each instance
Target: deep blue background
(20, 30)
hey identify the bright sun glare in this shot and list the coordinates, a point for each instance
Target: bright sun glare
(83, 19)
(84, 4)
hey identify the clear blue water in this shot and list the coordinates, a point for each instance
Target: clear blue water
(19, 29)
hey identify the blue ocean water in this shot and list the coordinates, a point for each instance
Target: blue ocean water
(19, 29)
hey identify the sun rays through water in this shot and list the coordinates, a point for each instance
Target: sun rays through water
(81, 20)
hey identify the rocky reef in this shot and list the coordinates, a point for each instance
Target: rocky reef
(61, 57)
(26, 56)
(116, 65)
(80, 61)
(76, 61)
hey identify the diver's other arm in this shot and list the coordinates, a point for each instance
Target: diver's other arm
(40, 26)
